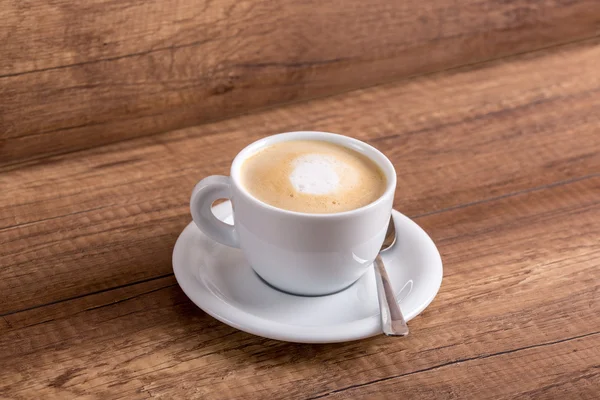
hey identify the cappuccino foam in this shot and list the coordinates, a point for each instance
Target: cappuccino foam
(313, 177)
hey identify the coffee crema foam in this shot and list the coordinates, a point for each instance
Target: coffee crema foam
(312, 176)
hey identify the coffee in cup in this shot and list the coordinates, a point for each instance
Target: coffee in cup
(312, 176)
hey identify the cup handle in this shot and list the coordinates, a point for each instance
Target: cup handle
(204, 194)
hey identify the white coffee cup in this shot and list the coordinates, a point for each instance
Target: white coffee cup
(299, 253)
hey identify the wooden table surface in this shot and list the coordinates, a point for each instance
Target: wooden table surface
(77, 75)
(499, 163)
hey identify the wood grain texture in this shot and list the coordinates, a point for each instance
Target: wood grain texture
(106, 217)
(517, 315)
(74, 75)
(531, 373)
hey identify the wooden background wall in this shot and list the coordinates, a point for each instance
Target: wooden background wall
(74, 75)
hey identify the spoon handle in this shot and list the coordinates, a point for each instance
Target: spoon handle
(392, 320)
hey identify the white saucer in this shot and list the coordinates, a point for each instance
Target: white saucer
(219, 281)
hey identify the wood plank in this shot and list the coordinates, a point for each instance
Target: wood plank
(109, 216)
(105, 30)
(520, 272)
(80, 75)
(532, 373)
